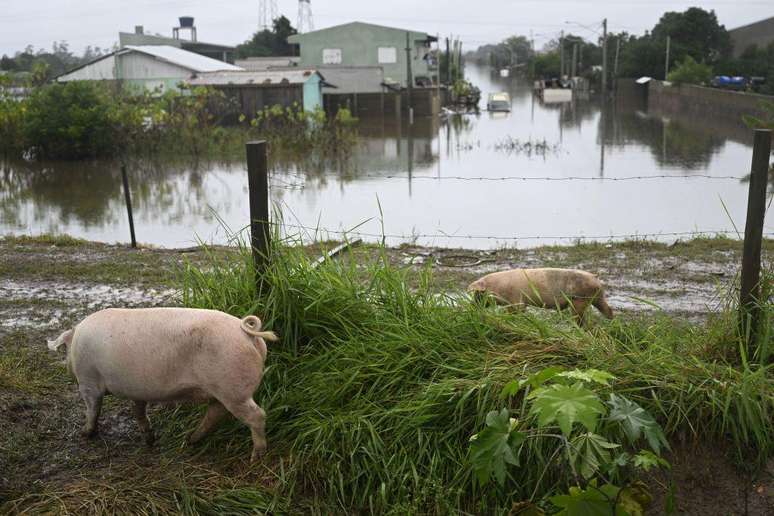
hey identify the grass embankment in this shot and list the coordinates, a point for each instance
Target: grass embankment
(376, 388)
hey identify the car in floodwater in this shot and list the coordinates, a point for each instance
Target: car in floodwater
(499, 102)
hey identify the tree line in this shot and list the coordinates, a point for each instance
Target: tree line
(699, 47)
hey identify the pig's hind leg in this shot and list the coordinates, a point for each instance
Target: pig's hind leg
(253, 416)
(215, 412)
(92, 397)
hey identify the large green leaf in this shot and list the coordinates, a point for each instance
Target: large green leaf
(566, 405)
(534, 380)
(592, 501)
(495, 446)
(590, 453)
(647, 460)
(636, 422)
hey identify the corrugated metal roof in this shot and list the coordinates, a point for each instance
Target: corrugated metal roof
(184, 58)
(267, 78)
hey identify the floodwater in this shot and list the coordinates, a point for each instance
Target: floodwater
(541, 174)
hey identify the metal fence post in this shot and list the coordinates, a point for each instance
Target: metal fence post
(128, 197)
(258, 185)
(753, 234)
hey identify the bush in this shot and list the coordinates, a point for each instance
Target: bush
(87, 119)
(11, 119)
(70, 121)
(690, 72)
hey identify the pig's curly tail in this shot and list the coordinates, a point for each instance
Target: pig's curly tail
(252, 326)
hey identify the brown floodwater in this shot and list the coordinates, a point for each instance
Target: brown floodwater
(541, 174)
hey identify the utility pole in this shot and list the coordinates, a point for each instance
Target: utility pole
(448, 62)
(666, 63)
(573, 68)
(561, 55)
(409, 80)
(459, 60)
(604, 57)
(617, 51)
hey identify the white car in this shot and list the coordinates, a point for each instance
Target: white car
(499, 102)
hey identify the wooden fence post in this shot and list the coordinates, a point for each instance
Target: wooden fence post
(258, 185)
(128, 197)
(753, 234)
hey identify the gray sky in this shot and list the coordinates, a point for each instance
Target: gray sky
(97, 22)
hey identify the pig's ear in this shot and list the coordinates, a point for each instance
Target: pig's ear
(65, 338)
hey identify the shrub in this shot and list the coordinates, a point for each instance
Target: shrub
(70, 121)
(690, 72)
(11, 120)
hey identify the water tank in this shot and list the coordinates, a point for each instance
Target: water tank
(186, 21)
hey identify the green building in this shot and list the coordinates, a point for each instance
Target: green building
(363, 44)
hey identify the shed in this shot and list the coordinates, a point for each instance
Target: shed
(149, 67)
(257, 90)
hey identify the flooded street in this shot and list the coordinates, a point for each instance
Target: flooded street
(540, 174)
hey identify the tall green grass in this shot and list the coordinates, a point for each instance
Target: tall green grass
(375, 387)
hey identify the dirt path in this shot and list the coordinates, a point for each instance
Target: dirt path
(47, 285)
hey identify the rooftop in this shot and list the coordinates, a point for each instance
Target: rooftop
(184, 58)
(295, 38)
(132, 38)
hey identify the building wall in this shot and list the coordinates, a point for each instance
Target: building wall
(760, 33)
(139, 71)
(102, 70)
(360, 43)
(251, 98)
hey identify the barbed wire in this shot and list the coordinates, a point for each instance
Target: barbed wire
(546, 178)
(321, 230)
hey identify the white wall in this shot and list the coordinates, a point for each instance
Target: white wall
(104, 69)
(136, 65)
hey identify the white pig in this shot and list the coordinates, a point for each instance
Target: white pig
(170, 355)
(546, 288)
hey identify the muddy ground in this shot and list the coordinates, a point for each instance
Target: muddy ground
(49, 284)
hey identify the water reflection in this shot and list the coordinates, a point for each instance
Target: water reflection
(427, 177)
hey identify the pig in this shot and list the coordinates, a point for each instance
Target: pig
(545, 288)
(170, 355)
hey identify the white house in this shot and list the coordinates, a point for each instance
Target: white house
(150, 67)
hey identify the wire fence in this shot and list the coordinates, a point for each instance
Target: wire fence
(546, 178)
(318, 230)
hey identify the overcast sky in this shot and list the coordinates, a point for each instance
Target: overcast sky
(97, 22)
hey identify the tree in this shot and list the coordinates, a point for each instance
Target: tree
(273, 42)
(7, 63)
(691, 72)
(694, 33)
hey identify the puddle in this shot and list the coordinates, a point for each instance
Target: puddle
(28, 300)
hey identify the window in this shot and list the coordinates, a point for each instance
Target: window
(388, 55)
(331, 56)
